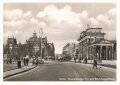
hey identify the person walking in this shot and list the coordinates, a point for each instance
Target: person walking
(95, 63)
(75, 59)
(79, 61)
(85, 60)
(27, 60)
(10, 60)
(24, 61)
(19, 63)
(33, 61)
(7, 60)
(36, 62)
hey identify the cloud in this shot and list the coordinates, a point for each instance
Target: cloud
(37, 22)
(27, 15)
(15, 23)
(59, 15)
(112, 13)
(41, 14)
(107, 21)
(66, 24)
(61, 21)
(60, 25)
(16, 14)
(13, 14)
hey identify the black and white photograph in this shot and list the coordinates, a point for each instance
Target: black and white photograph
(59, 42)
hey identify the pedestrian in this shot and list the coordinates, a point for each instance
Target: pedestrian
(95, 63)
(19, 63)
(10, 61)
(33, 61)
(85, 60)
(79, 61)
(24, 61)
(27, 60)
(36, 61)
(7, 60)
(75, 59)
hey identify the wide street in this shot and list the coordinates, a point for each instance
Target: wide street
(60, 71)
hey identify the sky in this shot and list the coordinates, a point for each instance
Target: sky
(62, 23)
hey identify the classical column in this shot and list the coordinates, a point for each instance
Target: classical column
(82, 49)
(87, 48)
(109, 53)
(100, 53)
(112, 57)
(106, 52)
(45, 52)
(91, 54)
(95, 54)
(88, 51)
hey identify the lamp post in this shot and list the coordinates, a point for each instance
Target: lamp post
(41, 33)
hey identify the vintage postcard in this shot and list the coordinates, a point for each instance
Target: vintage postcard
(59, 41)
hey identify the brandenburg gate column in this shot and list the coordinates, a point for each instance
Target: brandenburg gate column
(87, 41)
(100, 53)
(112, 53)
(92, 52)
(106, 52)
(95, 54)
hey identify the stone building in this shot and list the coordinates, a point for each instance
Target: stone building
(70, 49)
(92, 44)
(34, 46)
(11, 47)
(38, 46)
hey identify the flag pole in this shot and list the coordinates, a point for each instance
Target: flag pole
(41, 41)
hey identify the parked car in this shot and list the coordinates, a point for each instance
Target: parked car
(40, 60)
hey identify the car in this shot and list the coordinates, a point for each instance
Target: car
(40, 60)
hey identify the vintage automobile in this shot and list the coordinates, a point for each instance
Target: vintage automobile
(40, 60)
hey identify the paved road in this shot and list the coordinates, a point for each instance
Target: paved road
(54, 71)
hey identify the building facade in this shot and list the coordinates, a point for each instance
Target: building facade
(34, 46)
(11, 47)
(92, 44)
(37, 46)
(70, 49)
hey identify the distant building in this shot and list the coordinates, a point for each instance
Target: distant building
(35, 45)
(39, 46)
(11, 47)
(92, 44)
(70, 49)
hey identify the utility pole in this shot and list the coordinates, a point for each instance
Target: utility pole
(41, 33)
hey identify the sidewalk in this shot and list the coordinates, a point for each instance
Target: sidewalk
(17, 71)
(99, 67)
(8, 67)
(106, 63)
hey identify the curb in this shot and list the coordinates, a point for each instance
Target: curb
(105, 65)
(18, 72)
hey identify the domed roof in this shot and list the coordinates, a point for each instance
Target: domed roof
(33, 38)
